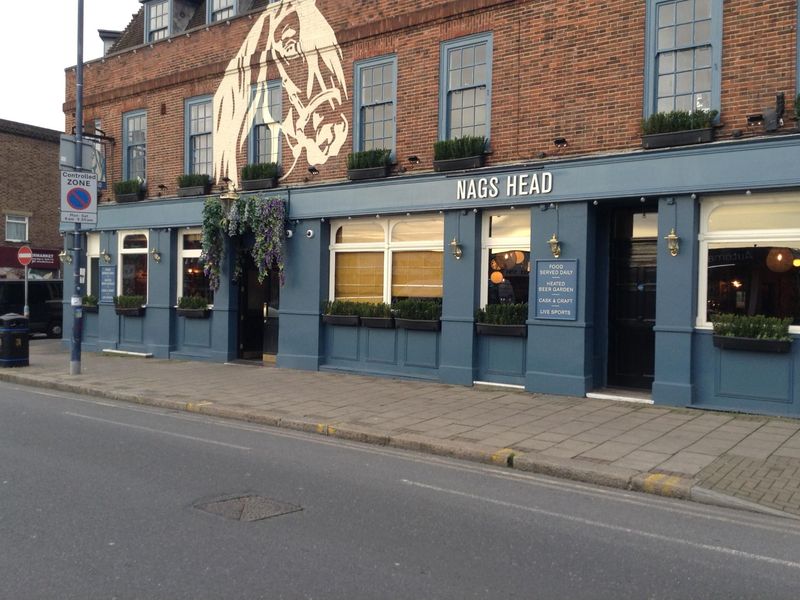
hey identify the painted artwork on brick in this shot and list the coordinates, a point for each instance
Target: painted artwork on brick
(296, 38)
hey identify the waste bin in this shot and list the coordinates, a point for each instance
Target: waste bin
(13, 341)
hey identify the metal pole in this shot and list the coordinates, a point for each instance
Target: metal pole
(26, 311)
(77, 292)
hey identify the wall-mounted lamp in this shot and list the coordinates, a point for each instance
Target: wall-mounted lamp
(555, 246)
(105, 256)
(673, 242)
(560, 142)
(414, 159)
(65, 257)
(313, 170)
(156, 255)
(455, 248)
(229, 196)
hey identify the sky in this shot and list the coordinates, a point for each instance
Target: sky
(41, 44)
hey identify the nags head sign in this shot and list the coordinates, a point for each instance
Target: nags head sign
(513, 185)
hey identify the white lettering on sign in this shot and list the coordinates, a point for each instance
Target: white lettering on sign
(526, 184)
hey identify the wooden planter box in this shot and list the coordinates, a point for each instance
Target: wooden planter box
(378, 322)
(195, 190)
(371, 173)
(343, 320)
(677, 138)
(418, 324)
(505, 330)
(725, 342)
(135, 197)
(460, 164)
(136, 311)
(194, 313)
(250, 185)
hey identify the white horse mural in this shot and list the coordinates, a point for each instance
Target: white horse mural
(291, 34)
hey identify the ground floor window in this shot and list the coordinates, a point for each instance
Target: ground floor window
(750, 257)
(385, 260)
(132, 277)
(192, 280)
(506, 258)
(92, 264)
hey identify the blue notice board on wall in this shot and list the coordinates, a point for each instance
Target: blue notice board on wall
(557, 289)
(108, 284)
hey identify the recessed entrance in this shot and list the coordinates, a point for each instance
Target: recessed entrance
(258, 314)
(632, 298)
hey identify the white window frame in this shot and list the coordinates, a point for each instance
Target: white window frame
(386, 246)
(211, 12)
(148, 31)
(92, 251)
(751, 237)
(18, 219)
(122, 251)
(498, 244)
(183, 253)
(273, 125)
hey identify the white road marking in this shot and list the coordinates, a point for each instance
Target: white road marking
(618, 528)
(151, 430)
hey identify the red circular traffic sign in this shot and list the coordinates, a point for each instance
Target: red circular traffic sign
(25, 255)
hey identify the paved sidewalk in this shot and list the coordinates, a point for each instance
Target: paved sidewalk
(728, 459)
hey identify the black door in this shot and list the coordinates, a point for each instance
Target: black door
(632, 301)
(273, 301)
(252, 313)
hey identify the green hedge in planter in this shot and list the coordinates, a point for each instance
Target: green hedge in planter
(128, 186)
(422, 310)
(128, 301)
(341, 307)
(192, 302)
(369, 159)
(89, 300)
(194, 180)
(503, 314)
(463, 147)
(256, 171)
(678, 120)
(758, 327)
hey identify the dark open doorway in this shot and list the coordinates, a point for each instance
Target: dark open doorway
(258, 314)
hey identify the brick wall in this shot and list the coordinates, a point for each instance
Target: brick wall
(560, 69)
(30, 185)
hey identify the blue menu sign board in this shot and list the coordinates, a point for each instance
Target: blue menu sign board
(557, 289)
(108, 284)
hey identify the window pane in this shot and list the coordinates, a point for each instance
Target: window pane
(193, 241)
(683, 103)
(429, 230)
(359, 276)
(702, 57)
(509, 276)
(702, 32)
(702, 101)
(666, 104)
(685, 58)
(135, 241)
(683, 84)
(94, 276)
(749, 280)
(684, 10)
(511, 225)
(666, 14)
(417, 274)
(734, 217)
(666, 38)
(683, 35)
(702, 9)
(360, 231)
(666, 62)
(666, 85)
(702, 80)
(134, 275)
(195, 282)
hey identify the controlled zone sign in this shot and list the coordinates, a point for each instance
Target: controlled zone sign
(78, 197)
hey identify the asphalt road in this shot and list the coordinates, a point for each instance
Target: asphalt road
(99, 500)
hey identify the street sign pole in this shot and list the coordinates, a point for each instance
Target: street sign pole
(77, 292)
(26, 311)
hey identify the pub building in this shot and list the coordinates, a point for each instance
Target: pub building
(624, 252)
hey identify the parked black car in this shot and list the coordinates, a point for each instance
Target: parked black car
(44, 302)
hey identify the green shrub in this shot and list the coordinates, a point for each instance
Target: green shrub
(129, 186)
(503, 314)
(89, 300)
(368, 159)
(260, 171)
(375, 309)
(341, 307)
(463, 147)
(192, 302)
(194, 180)
(756, 326)
(678, 120)
(422, 310)
(128, 301)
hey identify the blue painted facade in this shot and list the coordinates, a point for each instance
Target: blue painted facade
(560, 357)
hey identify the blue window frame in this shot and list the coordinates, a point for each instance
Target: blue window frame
(199, 153)
(265, 139)
(157, 20)
(134, 134)
(684, 49)
(219, 10)
(465, 95)
(375, 103)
